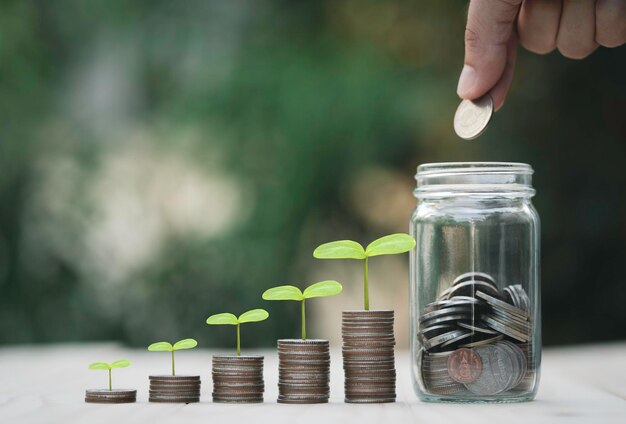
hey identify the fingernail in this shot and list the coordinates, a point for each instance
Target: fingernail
(466, 81)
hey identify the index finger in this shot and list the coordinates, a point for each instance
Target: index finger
(489, 27)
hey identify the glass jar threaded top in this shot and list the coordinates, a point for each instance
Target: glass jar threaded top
(474, 179)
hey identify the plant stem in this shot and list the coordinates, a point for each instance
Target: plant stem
(238, 340)
(110, 385)
(173, 369)
(366, 300)
(303, 322)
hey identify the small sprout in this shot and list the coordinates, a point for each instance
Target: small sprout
(321, 289)
(167, 347)
(347, 249)
(255, 315)
(122, 363)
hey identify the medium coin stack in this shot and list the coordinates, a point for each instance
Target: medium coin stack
(174, 389)
(303, 371)
(368, 356)
(111, 396)
(238, 379)
(473, 315)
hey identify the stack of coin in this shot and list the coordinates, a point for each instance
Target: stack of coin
(529, 378)
(435, 375)
(111, 396)
(174, 389)
(303, 371)
(476, 321)
(368, 356)
(473, 312)
(238, 379)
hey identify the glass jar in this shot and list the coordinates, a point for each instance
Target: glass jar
(475, 298)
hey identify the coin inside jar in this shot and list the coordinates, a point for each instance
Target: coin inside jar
(464, 365)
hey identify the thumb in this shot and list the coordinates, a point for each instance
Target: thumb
(489, 27)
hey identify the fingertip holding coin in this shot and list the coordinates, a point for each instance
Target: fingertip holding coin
(472, 117)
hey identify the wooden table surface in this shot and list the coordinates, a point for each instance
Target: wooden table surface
(46, 384)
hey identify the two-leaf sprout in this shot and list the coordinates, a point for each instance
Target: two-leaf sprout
(255, 315)
(348, 249)
(122, 363)
(321, 289)
(167, 347)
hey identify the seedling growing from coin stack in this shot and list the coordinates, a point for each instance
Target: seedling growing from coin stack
(122, 363)
(110, 395)
(363, 329)
(321, 289)
(304, 363)
(347, 249)
(174, 388)
(255, 315)
(168, 347)
(238, 379)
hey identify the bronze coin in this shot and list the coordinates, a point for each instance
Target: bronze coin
(464, 366)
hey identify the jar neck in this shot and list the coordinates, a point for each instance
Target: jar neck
(474, 181)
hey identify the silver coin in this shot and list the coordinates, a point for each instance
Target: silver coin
(456, 340)
(522, 361)
(510, 321)
(497, 371)
(483, 342)
(111, 393)
(436, 341)
(435, 330)
(504, 329)
(477, 276)
(448, 303)
(447, 311)
(469, 288)
(473, 116)
(476, 328)
(447, 319)
(523, 300)
(497, 303)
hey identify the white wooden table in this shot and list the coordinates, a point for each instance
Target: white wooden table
(46, 384)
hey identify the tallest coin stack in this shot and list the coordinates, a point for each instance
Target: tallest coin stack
(368, 356)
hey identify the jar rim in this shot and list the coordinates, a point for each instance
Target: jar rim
(472, 167)
(484, 179)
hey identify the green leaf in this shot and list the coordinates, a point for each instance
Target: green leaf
(283, 293)
(222, 319)
(122, 363)
(255, 315)
(99, 366)
(323, 289)
(390, 245)
(185, 344)
(342, 249)
(160, 347)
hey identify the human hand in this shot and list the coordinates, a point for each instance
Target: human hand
(574, 27)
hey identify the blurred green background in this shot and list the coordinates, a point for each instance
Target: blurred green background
(162, 161)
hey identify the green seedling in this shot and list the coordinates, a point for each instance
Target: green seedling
(321, 289)
(347, 249)
(167, 347)
(122, 363)
(255, 315)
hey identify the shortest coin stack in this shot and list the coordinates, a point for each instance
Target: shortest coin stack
(111, 396)
(238, 379)
(368, 356)
(174, 389)
(303, 371)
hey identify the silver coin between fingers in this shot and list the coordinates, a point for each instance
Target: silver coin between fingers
(473, 116)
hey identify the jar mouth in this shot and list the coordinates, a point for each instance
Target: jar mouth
(490, 179)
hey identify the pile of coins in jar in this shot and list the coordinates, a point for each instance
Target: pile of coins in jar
(475, 339)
